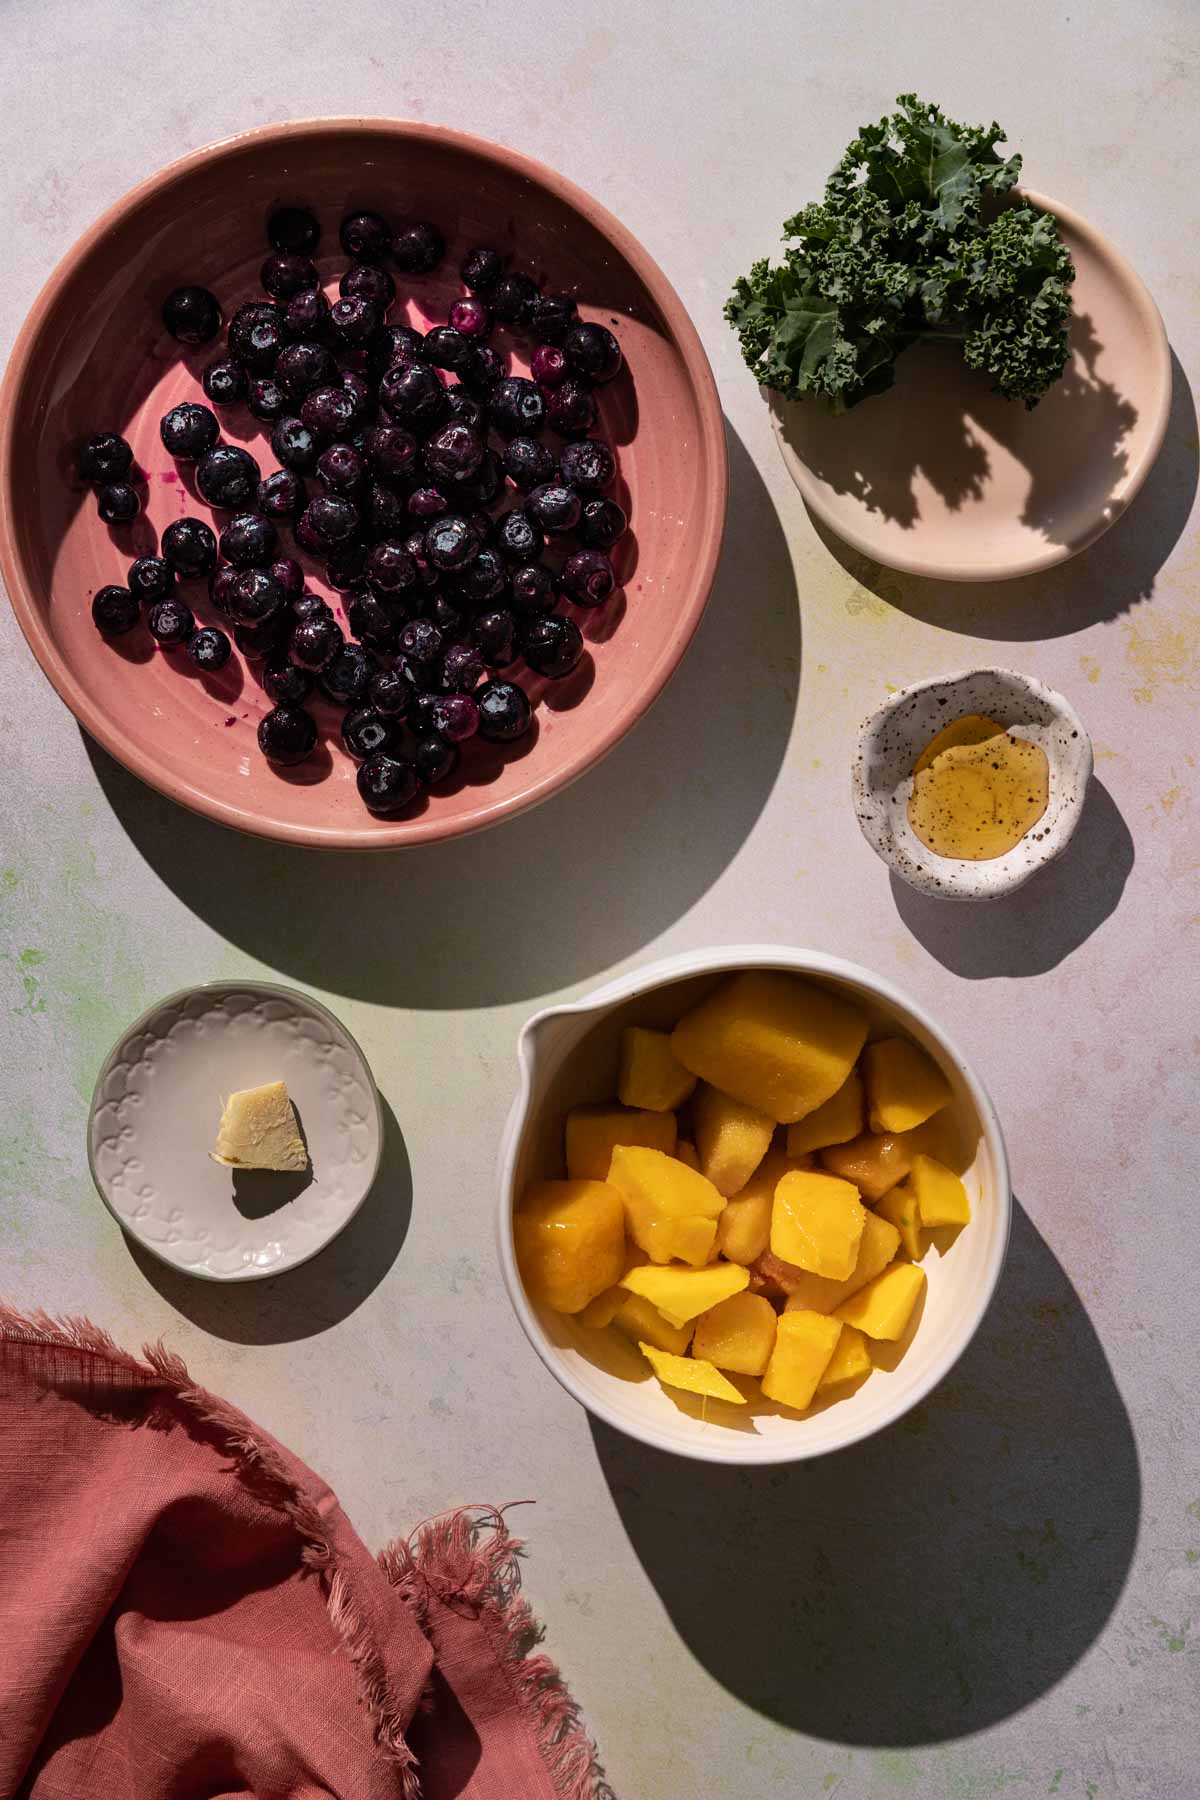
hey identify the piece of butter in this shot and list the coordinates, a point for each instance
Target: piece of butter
(258, 1130)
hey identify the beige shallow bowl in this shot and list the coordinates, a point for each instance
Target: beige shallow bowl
(940, 477)
(568, 1054)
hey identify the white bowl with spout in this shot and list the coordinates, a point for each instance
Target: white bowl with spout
(568, 1055)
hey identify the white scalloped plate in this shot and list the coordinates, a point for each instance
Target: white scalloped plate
(154, 1119)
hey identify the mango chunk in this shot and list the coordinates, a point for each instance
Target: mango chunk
(683, 1294)
(804, 1344)
(900, 1206)
(773, 1041)
(570, 1241)
(651, 1075)
(813, 1293)
(744, 1228)
(840, 1119)
(904, 1085)
(851, 1358)
(666, 1203)
(731, 1137)
(817, 1223)
(593, 1132)
(686, 1152)
(639, 1320)
(603, 1309)
(940, 1196)
(873, 1163)
(692, 1376)
(883, 1308)
(737, 1334)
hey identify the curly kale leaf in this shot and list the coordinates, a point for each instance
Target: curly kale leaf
(910, 240)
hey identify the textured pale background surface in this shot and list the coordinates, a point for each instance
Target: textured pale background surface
(1004, 1594)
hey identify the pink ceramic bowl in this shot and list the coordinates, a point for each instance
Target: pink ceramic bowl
(93, 355)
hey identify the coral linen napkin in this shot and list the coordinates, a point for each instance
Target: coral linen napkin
(186, 1613)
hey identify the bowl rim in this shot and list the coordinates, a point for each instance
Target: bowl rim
(715, 960)
(843, 527)
(431, 826)
(270, 989)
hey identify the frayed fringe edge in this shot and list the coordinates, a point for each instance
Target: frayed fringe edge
(263, 1472)
(469, 1560)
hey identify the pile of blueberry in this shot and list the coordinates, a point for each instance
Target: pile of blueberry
(416, 468)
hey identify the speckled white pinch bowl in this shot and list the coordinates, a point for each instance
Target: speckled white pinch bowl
(892, 739)
(155, 1114)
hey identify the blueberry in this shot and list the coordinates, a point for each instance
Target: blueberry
(391, 452)
(389, 694)
(592, 352)
(516, 407)
(224, 382)
(188, 431)
(587, 465)
(287, 735)
(482, 580)
(422, 704)
(527, 463)
(495, 633)
(470, 319)
(367, 281)
(287, 272)
(293, 228)
(465, 407)
(266, 399)
(253, 597)
(483, 368)
(413, 394)
(531, 590)
(248, 541)
(344, 567)
(552, 645)
(171, 623)
(548, 365)
(389, 568)
(114, 610)
(256, 336)
(365, 237)
(331, 519)
(454, 452)
(265, 640)
(341, 470)
(290, 576)
(314, 644)
(451, 542)
(366, 732)
(481, 268)
(346, 679)
(421, 640)
(570, 408)
(331, 412)
(303, 366)
(601, 523)
(228, 476)
(587, 578)
(555, 507)
(286, 684)
(191, 315)
(310, 606)
(306, 317)
(504, 711)
(435, 760)
(518, 538)
(395, 344)
(282, 495)
(427, 576)
(118, 503)
(427, 503)
(455, 717)
(551, 318)
(354, 322)
(418, 248)
(372, 621)
(486, 484)
(384, 513)
(150, 578)
(189, 546)
(209, 649)
(105, 456)
(446, 348)
(296, 446)
(387, 784)
(512, 298)
(462, 668)
(220, 586)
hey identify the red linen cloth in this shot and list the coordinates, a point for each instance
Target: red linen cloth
(187, 1614)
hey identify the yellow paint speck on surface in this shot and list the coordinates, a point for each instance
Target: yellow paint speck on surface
(1090, 667)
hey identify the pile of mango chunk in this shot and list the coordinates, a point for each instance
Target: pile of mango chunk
(755, 1205)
